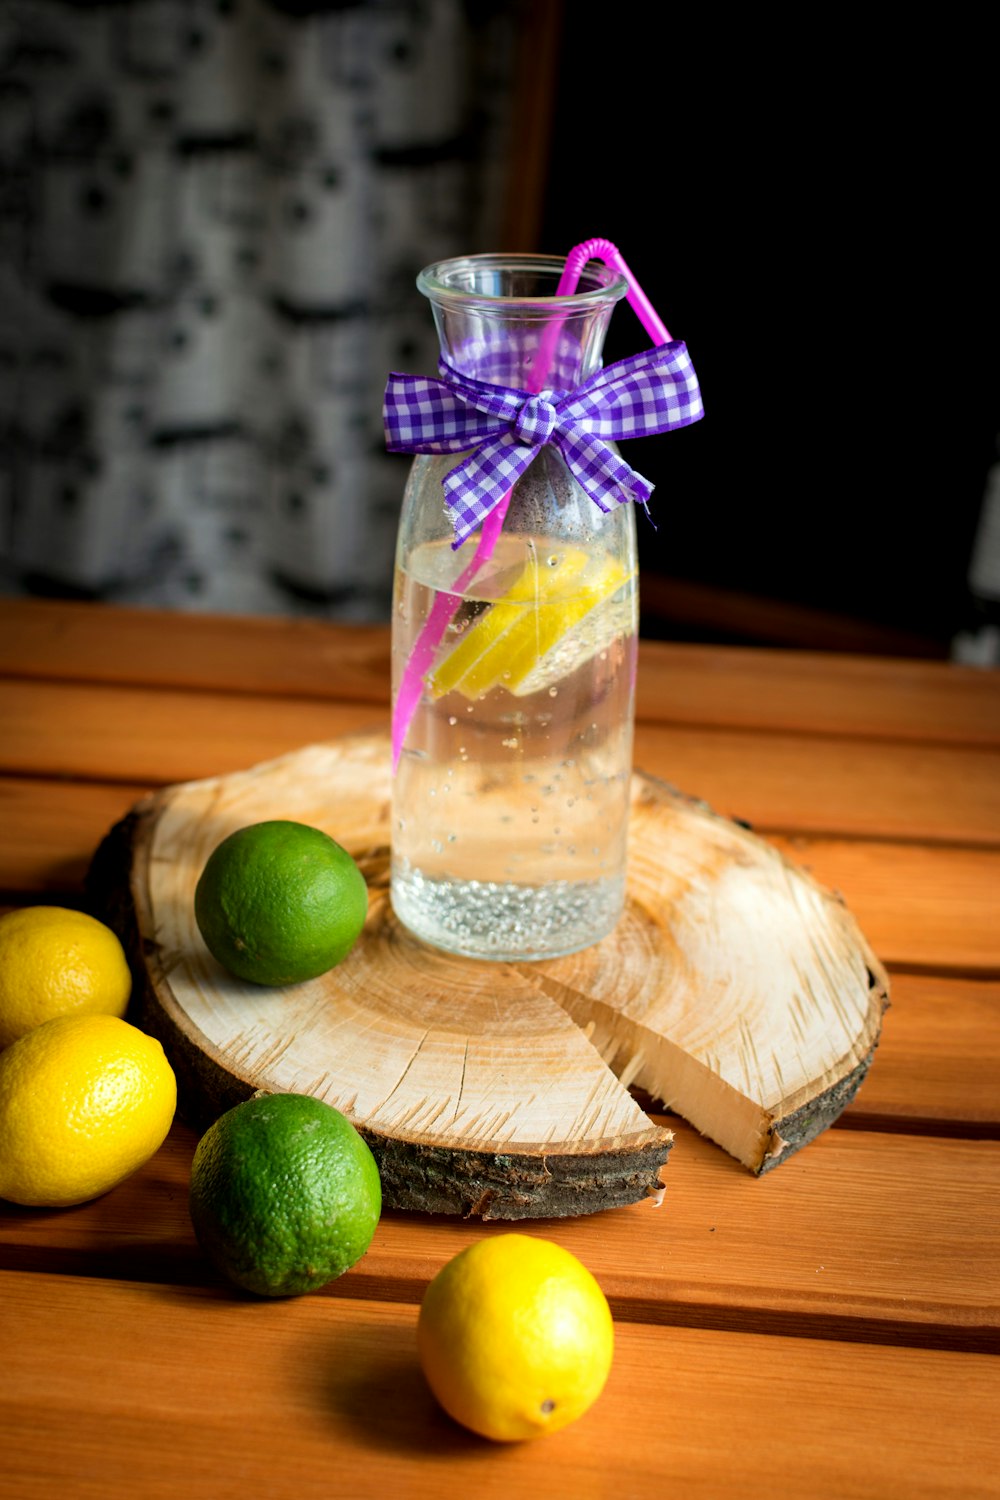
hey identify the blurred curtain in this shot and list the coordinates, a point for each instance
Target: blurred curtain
(212, 213)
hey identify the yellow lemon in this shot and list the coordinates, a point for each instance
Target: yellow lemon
(515, 1337)
(84, 1102)
(57, 962)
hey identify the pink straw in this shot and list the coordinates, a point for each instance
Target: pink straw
(446, 605)
(635, 296)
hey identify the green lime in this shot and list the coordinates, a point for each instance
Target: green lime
(285, 1195)
(280, 902)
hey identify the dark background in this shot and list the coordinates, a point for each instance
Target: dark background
(811, 206)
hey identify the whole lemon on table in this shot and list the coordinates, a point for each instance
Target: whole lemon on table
(285, 1194)
(280, 902)
(53, 962)
(85, 1101)
(515, 1337)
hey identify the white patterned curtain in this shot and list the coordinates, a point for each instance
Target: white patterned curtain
(212, 213)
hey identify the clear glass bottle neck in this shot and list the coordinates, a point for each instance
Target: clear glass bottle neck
(499, 321)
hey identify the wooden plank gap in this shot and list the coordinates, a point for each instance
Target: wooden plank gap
(955, 1130)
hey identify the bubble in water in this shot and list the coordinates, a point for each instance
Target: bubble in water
(452, 719)
(553, 559)
(553, 692)
(510, 744)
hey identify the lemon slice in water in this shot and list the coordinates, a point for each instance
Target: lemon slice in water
(606, 619)
(528, 638)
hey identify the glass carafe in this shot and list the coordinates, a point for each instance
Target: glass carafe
(514, 653)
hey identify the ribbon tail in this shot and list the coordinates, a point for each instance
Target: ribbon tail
(477, 485)
(590, 459)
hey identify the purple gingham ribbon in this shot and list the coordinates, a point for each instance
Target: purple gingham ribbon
(647, 393)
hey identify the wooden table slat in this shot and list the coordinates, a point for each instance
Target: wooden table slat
(311, 1395)
(938, 1062)
(870, 788)
(784, 690)
(823, 1247)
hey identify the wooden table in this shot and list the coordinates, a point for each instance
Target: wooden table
(828, 1330)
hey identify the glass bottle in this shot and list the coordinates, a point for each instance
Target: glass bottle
(514, 654)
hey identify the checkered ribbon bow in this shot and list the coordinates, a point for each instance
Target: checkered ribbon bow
(647, 393)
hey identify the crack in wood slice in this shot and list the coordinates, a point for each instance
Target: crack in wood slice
(734, 988)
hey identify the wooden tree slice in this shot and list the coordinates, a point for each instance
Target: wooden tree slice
(734, 988)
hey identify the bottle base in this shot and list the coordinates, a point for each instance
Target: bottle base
(506, 922)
